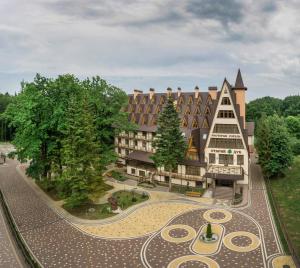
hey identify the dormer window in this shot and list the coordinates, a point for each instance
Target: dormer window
(184, 122)
(195, 123)
(190, 100)
(197, 110)
(225, 101)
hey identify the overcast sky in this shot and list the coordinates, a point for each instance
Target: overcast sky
(154, 43)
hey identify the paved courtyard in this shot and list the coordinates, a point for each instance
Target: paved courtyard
(156, 234)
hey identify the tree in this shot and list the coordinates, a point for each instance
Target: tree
(6, 132)
(41, 115)
(170, 144)
(291, 105)
(81, 152)
(209, 231)
(273, 145)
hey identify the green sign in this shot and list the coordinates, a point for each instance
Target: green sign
(229, 151)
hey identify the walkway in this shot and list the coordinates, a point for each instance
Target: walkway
(247, 235)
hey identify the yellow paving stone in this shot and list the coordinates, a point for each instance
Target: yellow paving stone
(255, 242)
(165, 233)
(142, 221)
(201, 247)
(278, 262)
(227, 216)
(179, 261)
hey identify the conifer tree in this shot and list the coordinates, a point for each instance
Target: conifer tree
(170, 144)
(81, 152)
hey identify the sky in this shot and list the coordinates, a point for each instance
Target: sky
(138, 44)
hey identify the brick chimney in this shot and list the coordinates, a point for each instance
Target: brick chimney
(169, 91)
(151, 93)
(213, 92)
(136, 92)
(197, 92)
(178, 92)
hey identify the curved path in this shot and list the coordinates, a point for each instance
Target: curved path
(249, 238)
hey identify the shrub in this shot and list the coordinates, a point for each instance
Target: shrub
(208, 231)
(133, 199)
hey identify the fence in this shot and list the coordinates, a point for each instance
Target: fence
(30, 259)
(276, 211)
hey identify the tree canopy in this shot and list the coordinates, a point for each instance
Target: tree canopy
(66, 128)
(6, 132)
(273, 145)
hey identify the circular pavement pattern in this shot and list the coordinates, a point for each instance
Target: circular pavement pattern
(208, 215)
(189, 231)
(202, 259)
(255, 242)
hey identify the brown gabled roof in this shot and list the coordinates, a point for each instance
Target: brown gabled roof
(141, 156)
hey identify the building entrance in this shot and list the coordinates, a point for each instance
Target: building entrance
(227, 183)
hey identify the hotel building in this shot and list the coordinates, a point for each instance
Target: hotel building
(213, 124)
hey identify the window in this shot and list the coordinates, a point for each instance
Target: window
(205, 123)
(126, 141)
(188, 111)
(126, 151)
(240, 160)
(226, 128)
(119, 140)
(225, 114)
(195, 123)
(135, 142)
(192, 170)
(226, 143)
(212, 158)
(133, 171)
(225, 159)
(197, 110)
(192, 156)
(184, 123)
(142, 173)
(143, 143)
(207, 111)
(225, 101)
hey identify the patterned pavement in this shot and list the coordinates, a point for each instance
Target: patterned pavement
(247, 235)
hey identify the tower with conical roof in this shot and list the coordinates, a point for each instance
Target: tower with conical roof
(240, 92)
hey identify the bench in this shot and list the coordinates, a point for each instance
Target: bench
(193, 194)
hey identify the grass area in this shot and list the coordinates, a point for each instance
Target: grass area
(117, 175)
(286, 192)
(182, 189)
(127, 199)
(99, 190)
(92, 211)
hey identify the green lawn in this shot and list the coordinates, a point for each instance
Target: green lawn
(92, 211)
(127, 199)
(286, 192)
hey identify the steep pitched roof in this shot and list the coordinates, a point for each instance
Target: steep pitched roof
(239, 84)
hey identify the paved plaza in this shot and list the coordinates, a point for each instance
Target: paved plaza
(156, 234)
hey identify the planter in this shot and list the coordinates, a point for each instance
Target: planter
(205, 239)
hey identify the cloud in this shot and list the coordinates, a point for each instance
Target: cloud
(224, 11)
(136, 43)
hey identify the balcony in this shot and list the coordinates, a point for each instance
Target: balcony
(180, 175)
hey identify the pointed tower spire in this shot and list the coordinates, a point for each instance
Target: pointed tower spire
(239, 84)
